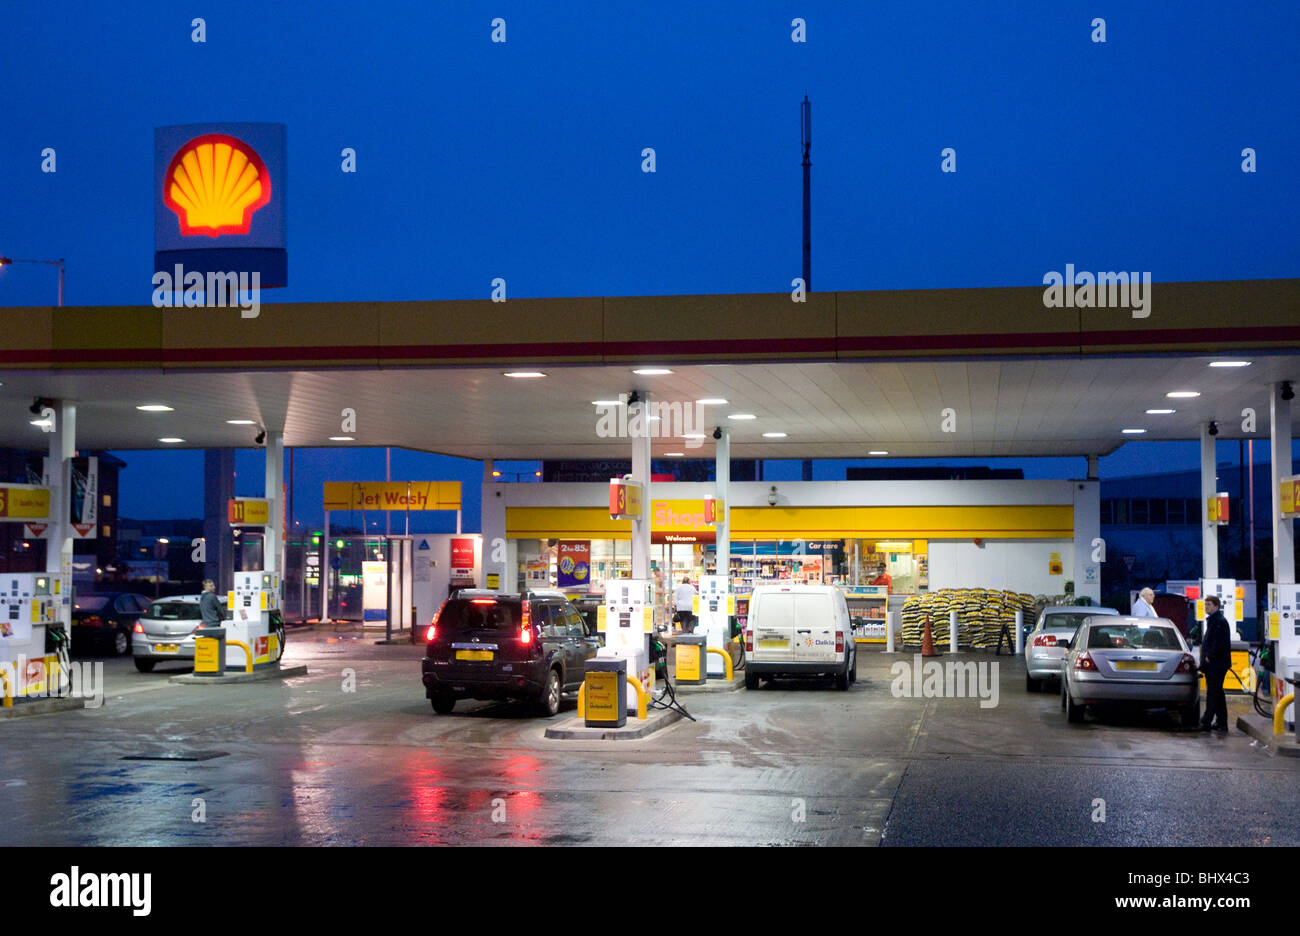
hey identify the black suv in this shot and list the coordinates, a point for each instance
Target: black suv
(486, 645)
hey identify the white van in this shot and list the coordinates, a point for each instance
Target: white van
(799, 630)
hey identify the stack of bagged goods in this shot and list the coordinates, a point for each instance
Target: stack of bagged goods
(981, 613)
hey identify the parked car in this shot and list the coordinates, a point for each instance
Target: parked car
(1137, 661)
(104, 621)
(799, 630)
(167, 631)
(1045, 643)
(487, 645)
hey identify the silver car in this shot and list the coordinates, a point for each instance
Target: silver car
(1141, 661)
(1045, 644)
(166, 631)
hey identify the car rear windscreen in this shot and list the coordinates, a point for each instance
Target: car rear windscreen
(1133, 637)
(1063, 621)
(173, 611)
(469, 614)
(90, 602)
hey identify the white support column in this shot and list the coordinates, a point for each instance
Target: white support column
(326, 571)
(952, 631)
(58, 465)
(273, 545)
(1279, 414)
(637, 420)
(722, 529)
(1209, 531)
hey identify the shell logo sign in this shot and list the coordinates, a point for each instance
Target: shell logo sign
(215, 183)
(219, 207)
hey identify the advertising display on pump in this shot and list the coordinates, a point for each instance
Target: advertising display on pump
(714, 606)
(627, 619)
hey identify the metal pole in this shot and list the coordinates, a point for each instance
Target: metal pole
(1250, 453)
(388, 477)
(325, 574)
(805, 124)
(952, 631)
(60, 282)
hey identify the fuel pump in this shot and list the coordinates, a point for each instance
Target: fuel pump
(627, 620)
(1284, 631)
(714, 606)
(250, 605)
(30, 610)
(1230, 603)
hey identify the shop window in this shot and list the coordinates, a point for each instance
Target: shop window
(1177, 510)
(1138, 510)
(108, 500)
(1121, 511)
(1157, 511)
(1107, 511)
(1195, 511)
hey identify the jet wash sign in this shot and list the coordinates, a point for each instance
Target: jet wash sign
(219, 206)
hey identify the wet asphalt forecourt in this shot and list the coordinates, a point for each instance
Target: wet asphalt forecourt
(303, 762)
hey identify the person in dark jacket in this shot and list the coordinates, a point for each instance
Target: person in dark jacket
(1216, 660)
(210, 609)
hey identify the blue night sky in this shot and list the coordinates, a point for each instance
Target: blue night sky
(523, 159)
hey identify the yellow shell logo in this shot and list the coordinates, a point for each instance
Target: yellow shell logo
(215, 184)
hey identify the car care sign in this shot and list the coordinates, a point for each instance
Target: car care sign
(462, 557)
(574, 565)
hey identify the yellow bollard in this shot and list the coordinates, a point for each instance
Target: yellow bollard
(726, 657)
(1283, 704)
(640, 696)
(248, 654)
(582, 696)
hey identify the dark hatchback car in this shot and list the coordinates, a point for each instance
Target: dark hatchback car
(104, 621)
(486, 645)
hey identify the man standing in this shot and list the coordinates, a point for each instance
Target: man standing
(210, 610)
(1145, 605)
(684, 604)
(1216, 659)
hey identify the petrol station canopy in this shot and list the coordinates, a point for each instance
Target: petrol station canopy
(841, 374)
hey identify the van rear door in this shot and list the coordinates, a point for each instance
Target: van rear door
(814, 628)
(771, 617)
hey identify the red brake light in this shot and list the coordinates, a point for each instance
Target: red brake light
(525, 635)
(1084, 662)
(431, 633)
(1187, 664)
(92, 621)
(1045, 640)
(483, 601)
(139, 628)
(839, 641)
(526, 624)
(749, 641)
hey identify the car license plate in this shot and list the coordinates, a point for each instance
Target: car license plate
(1144, 665)
(165, 648)
(773, 643)
(475, 656)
